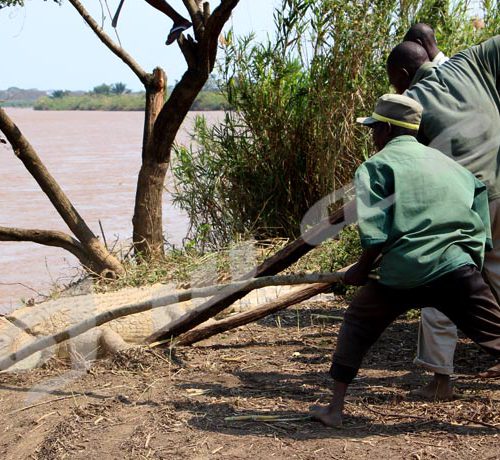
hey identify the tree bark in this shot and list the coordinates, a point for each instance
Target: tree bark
(147, 220)
(47, 238)
(96, 251)
(208, 330)
(292, 252)
(182, 296)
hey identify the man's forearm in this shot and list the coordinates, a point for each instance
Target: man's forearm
(368, 258)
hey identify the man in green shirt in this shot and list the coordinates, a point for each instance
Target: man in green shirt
(461, 119)
(426, 218)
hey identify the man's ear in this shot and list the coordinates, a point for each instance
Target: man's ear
(420, 42)
(407, 74)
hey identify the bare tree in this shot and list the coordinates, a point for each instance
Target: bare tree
(161, 124)
(163, 119)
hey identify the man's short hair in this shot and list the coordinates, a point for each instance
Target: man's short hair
(407, 55)
(420, 31)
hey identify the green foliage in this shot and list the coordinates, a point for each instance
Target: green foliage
(117, 99)
(119, 88)
(333, 255)
(210, 100)
(102, 89)
(111, 102)
(59, 93)
(291, 138)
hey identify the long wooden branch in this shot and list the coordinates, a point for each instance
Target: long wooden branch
(200, 57)
(195, 13)
(47, 238)
(106, 39)
(106, 317)
(292, 252)
(213, 29)
(217, 327)
(27, 154)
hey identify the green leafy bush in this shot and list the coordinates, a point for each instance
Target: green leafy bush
(291, 138)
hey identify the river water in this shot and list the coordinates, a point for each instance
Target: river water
(95, 158)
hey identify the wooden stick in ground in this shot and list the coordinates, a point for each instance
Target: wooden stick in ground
(205, 331)
(182, 296)
(292, 252)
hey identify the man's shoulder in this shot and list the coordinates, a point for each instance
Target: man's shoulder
(399, 150)
(425, 71)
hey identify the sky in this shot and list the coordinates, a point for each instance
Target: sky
(49, 47)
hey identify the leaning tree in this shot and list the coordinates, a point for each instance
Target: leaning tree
(163, 118)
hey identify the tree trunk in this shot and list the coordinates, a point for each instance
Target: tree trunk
(97, 253)
(161, 126)
(147, 220)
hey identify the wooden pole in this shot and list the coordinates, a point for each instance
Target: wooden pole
(208, 330)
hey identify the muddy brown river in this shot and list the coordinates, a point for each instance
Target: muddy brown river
(95, 157)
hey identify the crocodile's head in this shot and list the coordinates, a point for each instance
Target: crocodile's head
(12, 339)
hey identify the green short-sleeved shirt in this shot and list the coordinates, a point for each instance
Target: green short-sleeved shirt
(461, 115)
(430, 213)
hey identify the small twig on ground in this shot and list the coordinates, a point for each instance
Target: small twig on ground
(267, 418)
(394, 414)
(495, 426)
(45, 402)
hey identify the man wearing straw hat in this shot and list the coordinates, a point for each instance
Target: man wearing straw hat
(423, 219)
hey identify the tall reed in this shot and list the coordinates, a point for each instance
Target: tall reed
(291, 138)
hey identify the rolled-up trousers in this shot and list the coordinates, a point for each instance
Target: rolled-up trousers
(437, 335)
(462, 295)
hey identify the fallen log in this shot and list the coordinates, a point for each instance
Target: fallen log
(182, 296)
(205, 331)
(327, 228)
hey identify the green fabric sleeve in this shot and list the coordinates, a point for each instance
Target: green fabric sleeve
(374, 201)
(480, 205)
(489, 54)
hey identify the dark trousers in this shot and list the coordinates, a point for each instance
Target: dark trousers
(462, 295)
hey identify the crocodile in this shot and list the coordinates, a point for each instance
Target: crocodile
(29, 323)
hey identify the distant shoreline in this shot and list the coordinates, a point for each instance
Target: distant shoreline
(208, 100)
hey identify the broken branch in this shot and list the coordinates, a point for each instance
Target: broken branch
(208, 330)
(47, 238)
(106, 39)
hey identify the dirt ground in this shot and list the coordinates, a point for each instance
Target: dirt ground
(142, 405)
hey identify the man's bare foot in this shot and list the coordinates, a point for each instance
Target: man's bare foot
(491, 373)
(439, 389)
(326, 416)
(176, 31)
